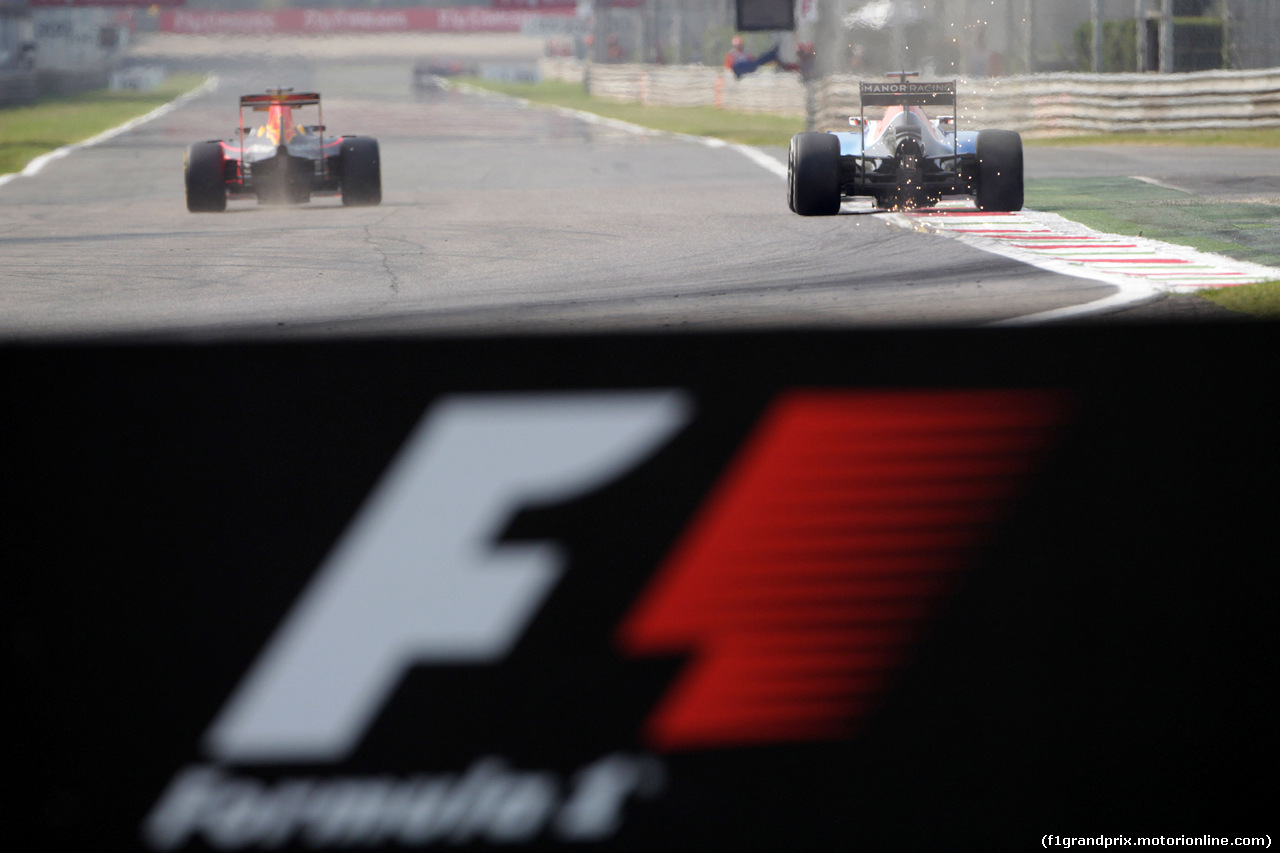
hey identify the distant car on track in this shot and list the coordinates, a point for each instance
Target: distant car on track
(429, 73)
(906, 159)
(282, 161)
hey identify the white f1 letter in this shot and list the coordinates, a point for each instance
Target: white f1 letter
(417, 577)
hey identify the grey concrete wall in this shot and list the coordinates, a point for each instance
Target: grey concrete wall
(17, 59)
(77, 48)
(1254, 33)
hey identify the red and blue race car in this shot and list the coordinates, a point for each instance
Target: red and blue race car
(282, 161)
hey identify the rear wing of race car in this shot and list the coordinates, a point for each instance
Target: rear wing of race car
(280, 97)
(284, 97)
(906, 93)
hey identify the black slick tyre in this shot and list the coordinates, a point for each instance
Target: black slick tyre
(813, 174)
(203, 172)
(361, 171)
(999, 170)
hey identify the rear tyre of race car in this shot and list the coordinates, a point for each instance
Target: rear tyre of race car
(203, 165)
(999, 170)
(361, 171)
(813, 174)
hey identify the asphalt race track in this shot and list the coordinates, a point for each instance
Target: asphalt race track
(495, 217)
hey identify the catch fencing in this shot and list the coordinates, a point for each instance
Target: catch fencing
(1060, 104)
(1037, 105)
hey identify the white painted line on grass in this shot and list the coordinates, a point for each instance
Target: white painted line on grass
(34, 167)
(1158, 183)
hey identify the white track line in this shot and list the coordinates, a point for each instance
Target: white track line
(34, 167)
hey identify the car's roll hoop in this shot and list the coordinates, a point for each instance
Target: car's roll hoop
(282, 97)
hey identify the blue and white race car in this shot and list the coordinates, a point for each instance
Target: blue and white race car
(905, 160)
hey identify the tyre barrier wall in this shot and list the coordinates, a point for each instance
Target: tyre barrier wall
(1046, 104)
(1052, 104)
(141, 78)
(564, 70)
(684, 86)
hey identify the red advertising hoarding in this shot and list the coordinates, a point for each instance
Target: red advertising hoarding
(139, 4)
(465, 19)
(535, 5)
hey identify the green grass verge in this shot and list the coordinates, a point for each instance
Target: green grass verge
(28, 132)
(729, 125)
(1120, 205)
(1261, 300)
(1268, 137)
(1245, 231)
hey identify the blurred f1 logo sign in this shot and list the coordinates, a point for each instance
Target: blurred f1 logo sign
(417, 578)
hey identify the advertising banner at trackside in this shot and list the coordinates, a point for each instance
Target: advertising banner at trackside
(751, 592)
(536, 5)
(135, 4)
(460, 19)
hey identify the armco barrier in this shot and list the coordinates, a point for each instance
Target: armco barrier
(1041, 104)
(694, 86)
(684, 86)
(1094, 103)
(564, 70)
(774, 591)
